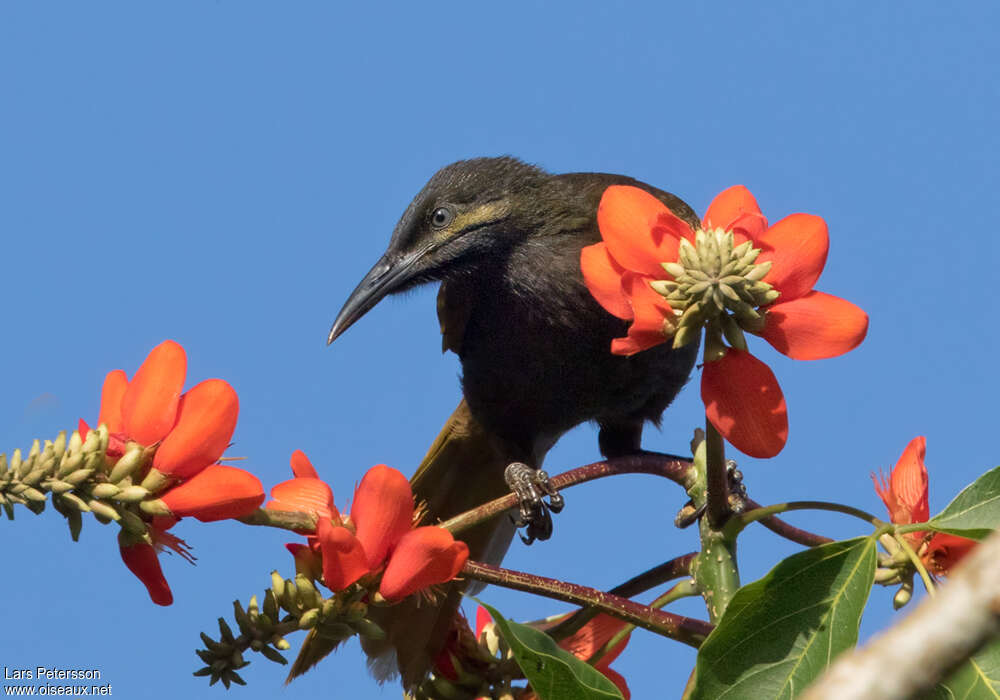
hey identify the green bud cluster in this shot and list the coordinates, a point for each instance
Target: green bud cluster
(716, 284)
(80, 478)
(289, 605)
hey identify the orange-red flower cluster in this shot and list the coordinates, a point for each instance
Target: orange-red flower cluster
(741, 395)
(189, 431)
(378, 536)
(905, 494)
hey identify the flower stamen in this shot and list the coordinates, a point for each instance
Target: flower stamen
(716, 284)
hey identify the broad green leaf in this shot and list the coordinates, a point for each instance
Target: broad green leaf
(975, 512)
(553, 672)
(781, 632)
(976, 679)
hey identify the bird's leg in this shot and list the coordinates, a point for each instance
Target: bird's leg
(534, 513)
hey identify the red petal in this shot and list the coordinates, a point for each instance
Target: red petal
(206, 419)
(603, 277)
(590, 638)
(115, 385)
(307, 561)
(735, 209)
(797, 245)
(424, 557)
(640, 231)
(616, 678)
(908, 483)
(344, 560)
(744, 403)
(635, 342)
(82, 428)
(150, 403)
(301, 466)
(216, 493)
(382, 511)
(305, 495)
(483, 618)
(649, 309)
(944, 551)
(142, 561)
(814, 326)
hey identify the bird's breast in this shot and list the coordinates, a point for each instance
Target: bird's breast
(536, 356)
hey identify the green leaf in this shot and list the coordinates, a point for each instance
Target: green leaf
(781, 632)
(975, 512)
(978, 677)
(553, 672)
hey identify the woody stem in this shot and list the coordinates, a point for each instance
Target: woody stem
(684, 629)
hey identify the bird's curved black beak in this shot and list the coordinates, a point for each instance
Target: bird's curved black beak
(388, 275)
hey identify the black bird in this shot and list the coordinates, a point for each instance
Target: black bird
(504, 238)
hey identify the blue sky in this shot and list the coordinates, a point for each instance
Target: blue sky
(224, 173)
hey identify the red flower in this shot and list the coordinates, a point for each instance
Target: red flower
(189, 431)
(905, 494)
(379, 532)
(742, 397)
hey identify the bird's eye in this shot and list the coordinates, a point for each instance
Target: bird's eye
(441, 217)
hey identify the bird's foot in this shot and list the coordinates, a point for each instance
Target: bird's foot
(737, 497)
(737, 489)
(534, 513)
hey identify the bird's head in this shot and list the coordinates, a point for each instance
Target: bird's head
(467, 210)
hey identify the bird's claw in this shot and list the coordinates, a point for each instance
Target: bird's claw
(689, 514)
(532, 486)
(737, 489)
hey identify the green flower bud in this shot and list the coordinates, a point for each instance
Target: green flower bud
(103, 510)
(131, 494)
(71, 463)
(308, 619)
(75, 502)
(272, 655)
(127, 464)
(368, 629)
(104, 491)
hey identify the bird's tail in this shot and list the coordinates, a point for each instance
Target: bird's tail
(463, 469)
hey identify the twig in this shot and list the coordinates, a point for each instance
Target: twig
(674, 468)
(789, 532)
(684, 629)
(667, 571)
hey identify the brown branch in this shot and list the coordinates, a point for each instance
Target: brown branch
(789, 532)
(283, 519)
(684, 629)
(667, 571)
(676, 469)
